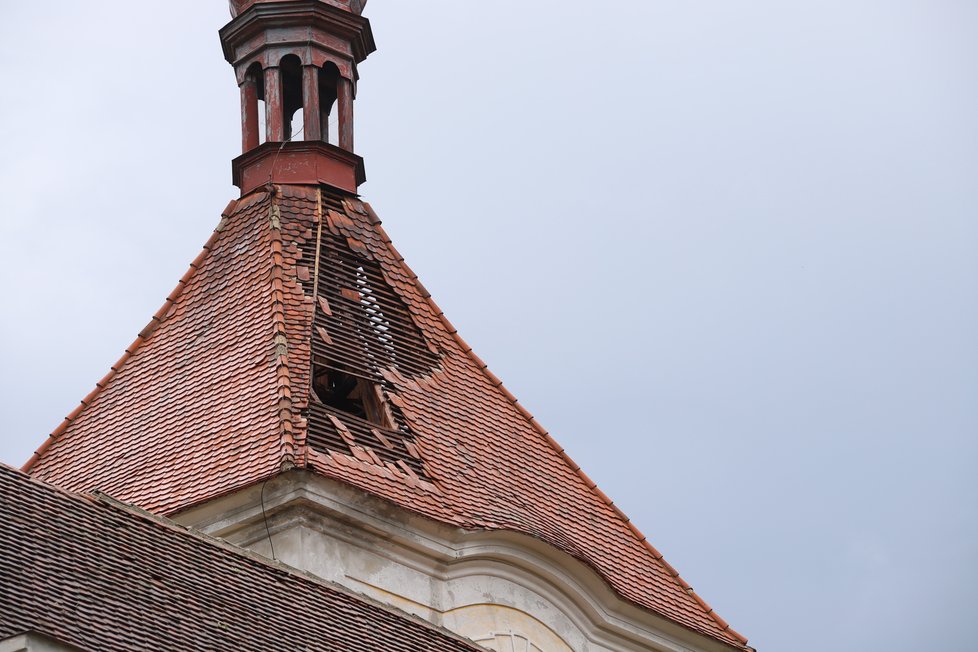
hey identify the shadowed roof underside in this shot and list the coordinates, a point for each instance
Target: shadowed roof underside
(215, 396)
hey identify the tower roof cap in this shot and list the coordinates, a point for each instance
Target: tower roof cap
(353, 6)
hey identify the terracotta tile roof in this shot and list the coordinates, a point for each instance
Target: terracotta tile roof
(215, 396)
(188, 411)
(97, 576)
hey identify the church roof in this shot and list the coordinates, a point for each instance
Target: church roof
(215, 395)
(95, 575)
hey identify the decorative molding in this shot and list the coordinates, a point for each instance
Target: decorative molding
(432, 570)
(508, 642)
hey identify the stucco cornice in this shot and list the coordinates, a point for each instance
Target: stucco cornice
(313, 504)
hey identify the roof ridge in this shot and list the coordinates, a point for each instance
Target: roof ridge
(302, 442)
(497, 383)
(141, 338)
(283, 376)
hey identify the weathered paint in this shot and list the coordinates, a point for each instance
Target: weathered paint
(274, 111)
(298, 163)
(310, 103)
(344, 102)
(250, 138)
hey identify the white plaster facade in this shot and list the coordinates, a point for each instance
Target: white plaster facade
(31, 642)
(507, 591)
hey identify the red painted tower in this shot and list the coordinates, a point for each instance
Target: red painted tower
(299, 58)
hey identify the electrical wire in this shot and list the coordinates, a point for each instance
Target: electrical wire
(265, 518)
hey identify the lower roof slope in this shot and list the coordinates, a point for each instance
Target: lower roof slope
(215, 395)
(99, 577)
(190, 410)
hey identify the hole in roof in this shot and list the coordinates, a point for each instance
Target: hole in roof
(357, 396)
(363, 332)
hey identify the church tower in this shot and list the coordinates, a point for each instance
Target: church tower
(301, 395)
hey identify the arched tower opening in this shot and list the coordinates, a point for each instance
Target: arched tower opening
(329, 79)
(290, 72)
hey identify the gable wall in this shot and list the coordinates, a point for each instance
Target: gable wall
(498, 588)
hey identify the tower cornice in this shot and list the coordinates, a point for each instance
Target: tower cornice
(355, 6)
(302, 163)
(304, 14)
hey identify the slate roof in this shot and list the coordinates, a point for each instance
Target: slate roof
(214, 396)
(97, 576)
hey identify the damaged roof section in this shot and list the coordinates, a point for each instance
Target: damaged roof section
(363, 335)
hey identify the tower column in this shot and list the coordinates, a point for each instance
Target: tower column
(344, 101)
(310, 104)
(274, 112)
(250, 137)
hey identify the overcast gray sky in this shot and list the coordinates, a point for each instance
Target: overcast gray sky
(725, 250)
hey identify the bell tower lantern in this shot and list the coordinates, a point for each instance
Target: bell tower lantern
(296, 66)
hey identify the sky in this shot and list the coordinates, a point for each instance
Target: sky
(724, 250)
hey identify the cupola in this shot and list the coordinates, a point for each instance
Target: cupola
(295, 63)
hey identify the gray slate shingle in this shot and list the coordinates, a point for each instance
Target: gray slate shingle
(99, 577)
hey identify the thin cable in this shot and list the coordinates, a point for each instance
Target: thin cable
(265, 518)
(300, 130)
(319, 245)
